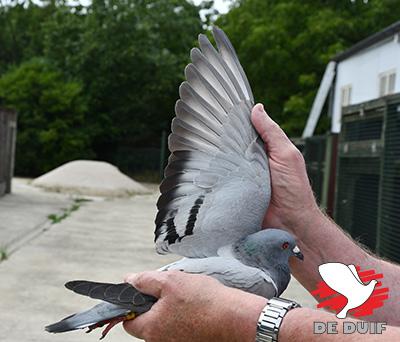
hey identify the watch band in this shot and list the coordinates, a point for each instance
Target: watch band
(271, 318)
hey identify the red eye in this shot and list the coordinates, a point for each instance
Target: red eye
(285, 245)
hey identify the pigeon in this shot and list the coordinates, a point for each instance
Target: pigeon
(258, 263)
(345, 280)
(214, 195)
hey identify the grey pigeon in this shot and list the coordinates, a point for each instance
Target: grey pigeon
(214, 195)
(258, 263)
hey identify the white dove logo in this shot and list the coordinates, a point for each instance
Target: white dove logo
(345, 280)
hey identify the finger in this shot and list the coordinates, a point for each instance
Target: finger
(150, 282)
(269, 130)
(129, 276)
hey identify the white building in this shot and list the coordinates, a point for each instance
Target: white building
(368, 70)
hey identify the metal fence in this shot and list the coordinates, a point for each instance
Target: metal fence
(364, 191)
(143, 163)
(313, 150)
(389, 212)
(8, 130)
(368, 175)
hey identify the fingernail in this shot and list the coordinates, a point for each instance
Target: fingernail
(261, 108)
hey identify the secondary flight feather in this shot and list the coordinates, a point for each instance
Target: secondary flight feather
(214, 195)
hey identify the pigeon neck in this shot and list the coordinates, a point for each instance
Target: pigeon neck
(280, 274)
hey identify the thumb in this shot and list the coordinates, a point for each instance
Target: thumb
(274, 137)
(147, 282)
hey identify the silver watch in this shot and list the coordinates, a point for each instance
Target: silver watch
(271, 318)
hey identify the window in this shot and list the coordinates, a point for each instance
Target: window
(387, 81)
(345, 95)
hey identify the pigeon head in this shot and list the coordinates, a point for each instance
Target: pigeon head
(269, 250)
(269, 247)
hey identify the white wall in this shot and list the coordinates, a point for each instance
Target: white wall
(362, 71)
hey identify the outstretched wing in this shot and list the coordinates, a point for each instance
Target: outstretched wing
(216, 187)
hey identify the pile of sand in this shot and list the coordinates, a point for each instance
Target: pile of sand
(90, 178)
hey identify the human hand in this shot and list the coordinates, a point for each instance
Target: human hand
(194, 308)
(292, 201)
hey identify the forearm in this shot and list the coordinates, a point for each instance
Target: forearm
(298, 325)
(241, 315)
(322, 241)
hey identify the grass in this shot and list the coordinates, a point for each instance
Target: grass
(3, 254)
(57, 218)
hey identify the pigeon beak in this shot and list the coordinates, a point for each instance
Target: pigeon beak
(297, 253)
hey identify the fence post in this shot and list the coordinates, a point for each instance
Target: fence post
(12, 138)
(8, 129)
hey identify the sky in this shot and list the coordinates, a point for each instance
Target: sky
(221, 5)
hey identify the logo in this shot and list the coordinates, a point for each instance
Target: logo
(346, 289)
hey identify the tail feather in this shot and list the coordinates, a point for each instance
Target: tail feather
(64, 325)
(120, 300)
(102, 312)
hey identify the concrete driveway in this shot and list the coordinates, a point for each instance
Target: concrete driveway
(102, 240)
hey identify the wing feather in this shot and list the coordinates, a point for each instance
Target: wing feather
(229, 55)
(123, 294)
(215, 187)
(229, 272)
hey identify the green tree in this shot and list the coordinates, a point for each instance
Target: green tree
(285, 45)
(21, 33)
(130, 56)
(127, 56)
(51, 116)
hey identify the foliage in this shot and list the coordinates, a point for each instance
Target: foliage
(127, 58)
(100, 81)
(3, 254)
(51, 116)
(130, 56)
(57, 218)
(285, 45)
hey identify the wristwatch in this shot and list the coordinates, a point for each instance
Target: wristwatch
(271, 318)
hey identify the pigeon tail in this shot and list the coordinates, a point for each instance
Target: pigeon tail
(103, 312)
(67, 324)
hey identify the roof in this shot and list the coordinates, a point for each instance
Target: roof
(369, 41)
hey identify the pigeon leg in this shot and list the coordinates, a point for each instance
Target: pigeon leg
(114, 322)
(95, 326)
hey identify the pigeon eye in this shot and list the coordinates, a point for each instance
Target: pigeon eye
(285, 245)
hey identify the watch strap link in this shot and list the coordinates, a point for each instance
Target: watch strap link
(271, 319)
